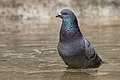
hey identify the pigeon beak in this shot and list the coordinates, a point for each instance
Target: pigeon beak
(59, 15)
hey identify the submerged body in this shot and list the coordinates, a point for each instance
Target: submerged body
(75, 50)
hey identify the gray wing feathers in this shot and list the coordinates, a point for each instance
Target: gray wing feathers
(89, 50)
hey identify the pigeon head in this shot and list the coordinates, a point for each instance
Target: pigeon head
(68, 18)
(66, 14)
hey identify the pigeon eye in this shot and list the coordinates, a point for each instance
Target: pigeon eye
(65, 13)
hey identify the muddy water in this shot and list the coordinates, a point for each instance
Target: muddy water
(29, 53)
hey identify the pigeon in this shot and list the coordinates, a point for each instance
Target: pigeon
(75, 49)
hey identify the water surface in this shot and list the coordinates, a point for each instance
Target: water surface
(28, 52)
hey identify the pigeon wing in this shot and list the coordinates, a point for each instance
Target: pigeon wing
(89, 50)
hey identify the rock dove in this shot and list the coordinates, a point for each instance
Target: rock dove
(75, 50)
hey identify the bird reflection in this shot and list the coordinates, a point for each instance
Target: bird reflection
(78, 75)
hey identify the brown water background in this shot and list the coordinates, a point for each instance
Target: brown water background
(28, 39)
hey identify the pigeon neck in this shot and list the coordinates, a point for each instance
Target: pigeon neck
(68, 23)
(69, 31)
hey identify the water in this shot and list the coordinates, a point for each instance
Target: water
(30, 53)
